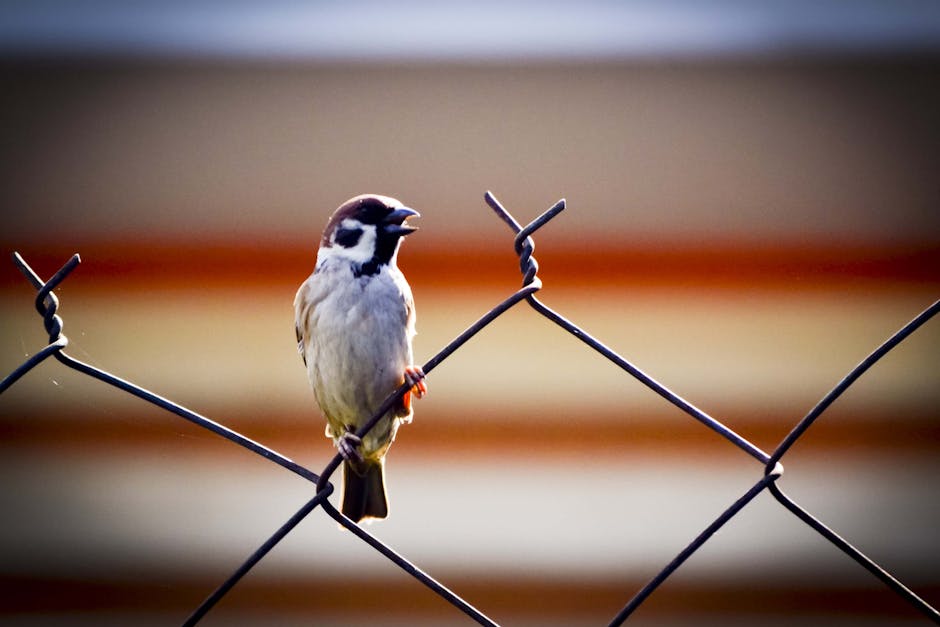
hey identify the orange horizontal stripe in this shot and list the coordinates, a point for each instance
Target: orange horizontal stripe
(301, 437)
(782, 265)
(400, 597)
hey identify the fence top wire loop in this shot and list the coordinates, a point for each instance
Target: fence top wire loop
(524, 246)
(47, 303)
(45, 287)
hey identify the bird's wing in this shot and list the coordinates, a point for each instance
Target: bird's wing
(300, 341)
(304, 303)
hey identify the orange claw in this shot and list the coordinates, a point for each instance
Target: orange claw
(415, 376)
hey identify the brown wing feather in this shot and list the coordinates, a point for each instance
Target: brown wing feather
(300, 342)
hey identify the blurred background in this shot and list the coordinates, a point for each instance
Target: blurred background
(752, 208)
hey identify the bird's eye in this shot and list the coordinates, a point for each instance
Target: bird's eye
(347, 238)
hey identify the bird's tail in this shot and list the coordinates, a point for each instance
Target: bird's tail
(364, 490)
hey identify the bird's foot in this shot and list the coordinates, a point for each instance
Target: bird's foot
(414, 376)
(348, 446)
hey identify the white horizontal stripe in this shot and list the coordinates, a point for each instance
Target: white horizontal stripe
(175, 511)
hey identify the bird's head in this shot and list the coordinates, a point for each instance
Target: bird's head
(366, 232)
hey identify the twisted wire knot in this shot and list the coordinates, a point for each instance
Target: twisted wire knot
(527, 263)
(524, 244)
(47, 303)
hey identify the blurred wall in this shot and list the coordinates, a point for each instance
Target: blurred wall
(745, 231)
(685, 151)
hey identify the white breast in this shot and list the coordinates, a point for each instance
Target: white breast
(357, 336)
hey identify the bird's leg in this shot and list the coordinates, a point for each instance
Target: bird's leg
(414, 376)
(348, 445)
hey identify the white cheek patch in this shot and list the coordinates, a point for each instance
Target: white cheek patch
(360, 252)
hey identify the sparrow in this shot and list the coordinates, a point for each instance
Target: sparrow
(355, 322)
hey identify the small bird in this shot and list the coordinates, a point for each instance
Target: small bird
(355, 321)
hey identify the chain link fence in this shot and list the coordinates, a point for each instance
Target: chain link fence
(768, 472)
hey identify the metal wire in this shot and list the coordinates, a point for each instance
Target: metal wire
(692, 547)
(47, 306)
(524, 247)
(805, 424)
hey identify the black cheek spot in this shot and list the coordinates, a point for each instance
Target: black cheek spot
(347, 238)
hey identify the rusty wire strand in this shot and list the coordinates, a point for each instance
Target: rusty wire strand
(524, 245)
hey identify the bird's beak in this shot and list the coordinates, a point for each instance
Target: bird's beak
(395, 221)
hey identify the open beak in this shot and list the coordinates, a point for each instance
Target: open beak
(395, 221)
